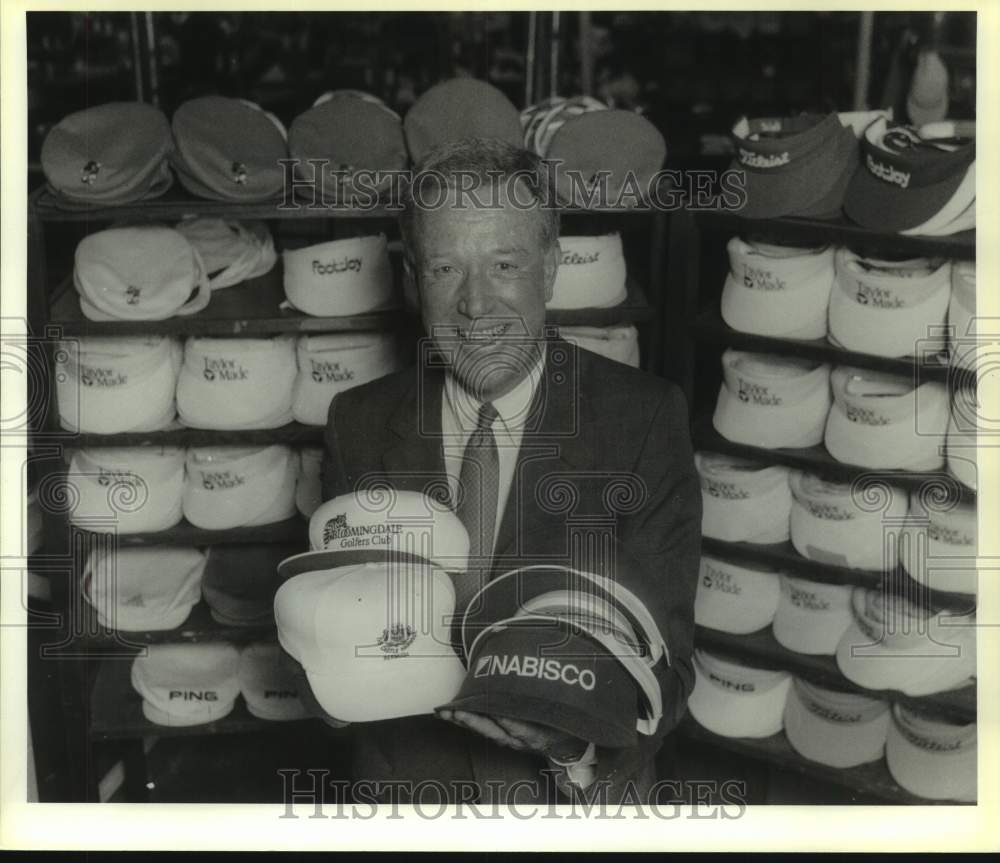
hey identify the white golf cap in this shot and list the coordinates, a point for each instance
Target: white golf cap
(930, 757)
(339, 277)
(961, 443)
(879, 420)
(811, 616)
(743, 501)
(342, 625)
(962, 315)
(187, 684)
(127, 489)
(839, 729)
(832, 523)
(735, 700)
(732, 598)
(776, 290)
(591, 273)
(230, 487)
(333, 363)
(143, 589)
(894, 643)
(615, 343)
(109, 385)
(889, 308)
(268, 686)
(237, 383)
(231, 251)
(140, 273)
(940, 545)
(771, 401)
(309, 489)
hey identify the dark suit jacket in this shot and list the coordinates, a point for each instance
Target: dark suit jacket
(606, 452)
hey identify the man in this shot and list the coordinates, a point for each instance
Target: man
(536, 443)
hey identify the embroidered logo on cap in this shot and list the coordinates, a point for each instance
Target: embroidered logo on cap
(762, 280)
(337, 529)
(93, 376)
(759, 395)
(222, 369)
(577, 258)
(805, 599)
(107, 477)
(865, 416)
(280, 693)
(882, 298)
(324, 371)
(715, 579)
(89, 172)
(827, 511)
(221, 480)
(532, 666)
(928, 744)
(887, 173)
(239, 172)
(193, 695)
(831, 715)
(948, 535)
(395, 640)
(132, 294)
(757, 160)
(332, 267)
(724, 489)
(731, 684)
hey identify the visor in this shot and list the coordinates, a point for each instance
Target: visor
(591, 273)
(743, 501)
(309, 490)
(267, 686)
(940, 545)
(734, 599)
(812, 616)
(930, 758)
(616, 343)
(231, 251)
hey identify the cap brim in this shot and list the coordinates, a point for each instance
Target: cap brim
(873, 203)
(834, 744)
(314, 561)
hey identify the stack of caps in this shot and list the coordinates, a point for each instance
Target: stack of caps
(333, 363)
(237, 383)
(772, 401)
(777, 290)
(187, 684)
(894, 643)
(938, 546)
(231, 251)
(126, 489)
(889, 308)
(268, 685)
(591, 273)
(109, 385)
(339, 277)
(542, 120)
(962, 442)
(620, 344)
(142, 273)
(962, 315)
(309, 489)
(458, 109)
(811, 616)
(915, 182)
(230, 487)
(736, 700)
(837, 524)
(794, 166)
(229, 150)
(240, 582)
(733, 598)
(836, 728)
(376, 586)
(143, 589)
(930, 757)
(90, 159)
(346, 144)
(743, 501)
(880, 420)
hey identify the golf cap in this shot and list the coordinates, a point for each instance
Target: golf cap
(339, 277)
(109, 154)
(743, 501)
(127, 489)
(591, 273)
(143, 589)
(240, 582)
(961, 444)
(238, 383)
(830, 523)
(931, 757)
(962, 315)
(614, 149)
(268, 688)
(330, 364)
(231, 251)
(959, 212)
(541, 121)
(940, 545)
(811, 616)
(777, 291)
(309, 489)
(733, 598)
(620, 344)
(349, 132)
(187, 684)
(772, 401)
(229, 150)
(457, 109)
(230, 487)
(835, 728)
(735, 700)
(878, 420)
(903, 179)
(120, 384)
(141, 273)
(544, 670)
(344, 624)
(888, 308)
(894, 643)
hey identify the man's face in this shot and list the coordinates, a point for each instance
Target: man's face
(484, 276)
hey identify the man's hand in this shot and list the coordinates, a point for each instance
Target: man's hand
(523, 736)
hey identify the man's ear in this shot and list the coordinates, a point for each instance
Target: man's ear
(551, 267)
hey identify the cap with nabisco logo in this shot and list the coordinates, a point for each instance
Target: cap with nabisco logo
(743, 501)
(932, 757)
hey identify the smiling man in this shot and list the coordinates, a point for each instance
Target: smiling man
(543, 448)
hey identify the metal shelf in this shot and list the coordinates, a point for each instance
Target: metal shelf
(292, 530)
(293, 433)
